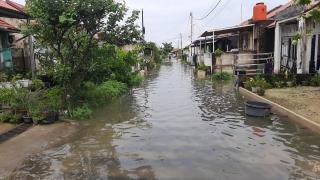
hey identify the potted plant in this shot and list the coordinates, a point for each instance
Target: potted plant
(259, 84)
(218, 53)
(53, 103)
(202, 70)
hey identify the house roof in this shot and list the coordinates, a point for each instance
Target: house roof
(248, 23)
(12, 9)
(227, 31)
(4, 26)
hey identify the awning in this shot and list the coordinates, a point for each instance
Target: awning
(230, 30)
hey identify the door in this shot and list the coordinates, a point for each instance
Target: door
(288, 55)
(318, 54)
(312, 62)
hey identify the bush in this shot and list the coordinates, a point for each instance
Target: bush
(96, 95)
(315, 81)
(202, 67)
(135, 79)
(5, 95)
(257, 81)
(81, 113)
(225, 76)
(37, 84)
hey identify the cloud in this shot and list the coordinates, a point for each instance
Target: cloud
(166, 19)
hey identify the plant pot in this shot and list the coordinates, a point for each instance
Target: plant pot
(27, 119)
(49, 117)
(24, 83)
(201, 74)
(254, 89)
(7, 85)
(261, 92)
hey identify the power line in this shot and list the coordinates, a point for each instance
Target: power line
(219, 12)
(204, 17)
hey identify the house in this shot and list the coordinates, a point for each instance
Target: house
(249, 44)
(297, 41)
(14, 47)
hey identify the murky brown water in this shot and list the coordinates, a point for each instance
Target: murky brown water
(178, 127)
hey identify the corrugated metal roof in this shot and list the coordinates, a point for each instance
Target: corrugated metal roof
(11, 5)
(8, 27)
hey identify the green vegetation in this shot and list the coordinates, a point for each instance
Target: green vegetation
(224, 76)
(202, 67)
(82, 73)
(257, 85)
(315, 81)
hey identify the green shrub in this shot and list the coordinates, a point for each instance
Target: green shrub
(202, 67)
(53, 98)
(135, 79)
(37, 84)
(5, 95)
(81, 113)
(112, 89)
(315, 81)
(225, 76)
(96, 95)
(257, 81)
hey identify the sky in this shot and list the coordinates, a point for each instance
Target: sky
(166, 19)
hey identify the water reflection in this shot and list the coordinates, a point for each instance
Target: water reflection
(178, 127)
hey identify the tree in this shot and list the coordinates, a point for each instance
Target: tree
(65, 31)
(315, 13)
(167, 48)
(128, 33)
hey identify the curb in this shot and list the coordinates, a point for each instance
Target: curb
(282, 111)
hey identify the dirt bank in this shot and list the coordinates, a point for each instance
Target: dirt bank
(302, 100)
(4, 127)
(33, 141)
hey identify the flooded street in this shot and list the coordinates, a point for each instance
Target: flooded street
(177, 127)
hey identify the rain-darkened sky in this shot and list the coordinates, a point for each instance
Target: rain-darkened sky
(166, 19)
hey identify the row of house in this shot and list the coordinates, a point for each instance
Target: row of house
(282, 41)
(15, 49)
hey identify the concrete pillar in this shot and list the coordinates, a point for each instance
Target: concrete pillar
(277, 49)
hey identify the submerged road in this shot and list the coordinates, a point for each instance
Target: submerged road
(178, 127)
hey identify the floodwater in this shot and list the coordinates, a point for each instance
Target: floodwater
(177, 127)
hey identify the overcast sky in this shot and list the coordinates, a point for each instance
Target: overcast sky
(166, 19)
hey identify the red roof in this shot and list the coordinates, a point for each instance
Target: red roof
(7, 4)
(8, 27)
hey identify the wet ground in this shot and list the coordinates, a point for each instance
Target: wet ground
(178, 127)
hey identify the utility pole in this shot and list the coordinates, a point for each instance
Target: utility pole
(241, 15)
(191, 31)
(191, 19)
(143, 28)
(181, 50)
(181, 40)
